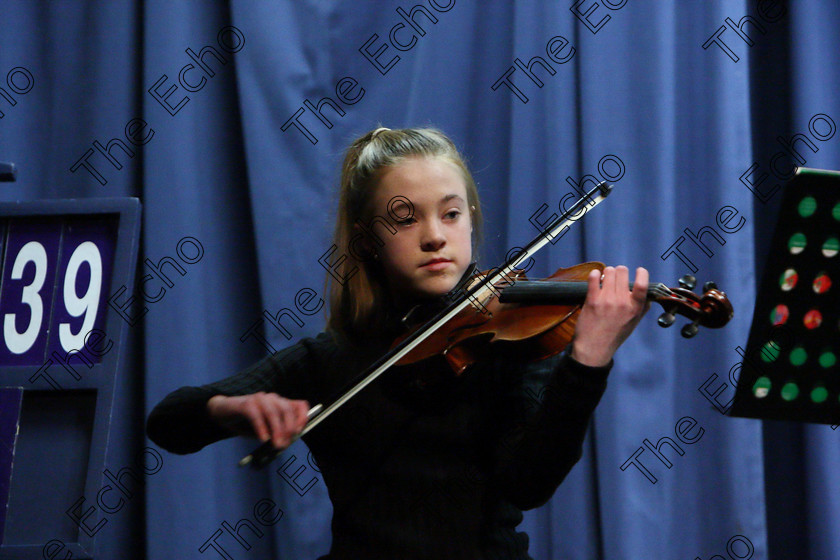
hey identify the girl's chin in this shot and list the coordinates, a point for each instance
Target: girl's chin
(439, 288)
(433, 292)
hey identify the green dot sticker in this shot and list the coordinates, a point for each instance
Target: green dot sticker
(830, 247)
(779, 315)
(827, 359)
(822, 283)
(836, 211)
(790, 391)
(807, 206)
(798, 356)
(788, 280)
(762, 387)
(819, 394)
(770, 352)
(796, 243)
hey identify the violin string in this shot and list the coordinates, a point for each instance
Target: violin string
(661, 290)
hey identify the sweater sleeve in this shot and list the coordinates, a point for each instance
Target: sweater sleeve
(180, 423)
(547, 412)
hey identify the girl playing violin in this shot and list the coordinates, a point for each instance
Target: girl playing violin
(422, 463)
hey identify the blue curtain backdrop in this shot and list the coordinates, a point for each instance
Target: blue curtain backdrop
(647, 93)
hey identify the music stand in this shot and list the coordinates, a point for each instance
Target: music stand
(790, 369)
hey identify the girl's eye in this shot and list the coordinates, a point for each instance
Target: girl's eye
(453, 214)
(405, 222)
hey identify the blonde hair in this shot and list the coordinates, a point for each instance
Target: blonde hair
(359, 300)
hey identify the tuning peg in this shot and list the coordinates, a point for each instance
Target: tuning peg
(689, 330)
(666, 319)
(709, 286)
(688, 282)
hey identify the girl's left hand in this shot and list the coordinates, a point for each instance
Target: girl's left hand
(610, 313)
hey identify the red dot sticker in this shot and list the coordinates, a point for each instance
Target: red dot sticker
(812, 319)
(822, 283)
(780, 314)
(788, 280)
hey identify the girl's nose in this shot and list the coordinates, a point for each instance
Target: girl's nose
(432, 237)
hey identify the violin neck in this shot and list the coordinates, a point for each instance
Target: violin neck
(553, 293)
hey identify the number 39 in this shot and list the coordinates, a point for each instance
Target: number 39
(87, 304)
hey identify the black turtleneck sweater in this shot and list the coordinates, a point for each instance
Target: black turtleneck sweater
(440, 468)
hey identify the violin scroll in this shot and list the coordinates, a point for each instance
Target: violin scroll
(712, 309)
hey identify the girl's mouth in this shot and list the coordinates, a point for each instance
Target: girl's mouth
(436, 264)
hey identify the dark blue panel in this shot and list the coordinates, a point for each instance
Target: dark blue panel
(10, 400)
(84, 247)
(54, 442)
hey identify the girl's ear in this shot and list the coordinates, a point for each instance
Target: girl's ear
(360, 246)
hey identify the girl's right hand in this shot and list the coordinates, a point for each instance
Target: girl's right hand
(266, 415)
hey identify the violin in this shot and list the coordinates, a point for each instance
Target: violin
(504, 307)
(540, 316)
